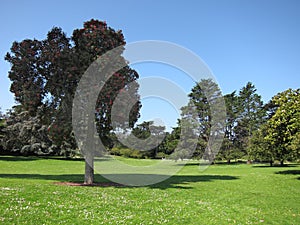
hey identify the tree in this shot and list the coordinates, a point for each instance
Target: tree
(206, 101)
(259, 148)
(92, 41)
(188, 141)
(171, 140)
(25, 134)
(283, 127)
(45, 75)
(159, 133)
(229, 149)
(2, 132)
(40, 82)
(251, 115)
(27, 84)
(146, 137)
(294, 146)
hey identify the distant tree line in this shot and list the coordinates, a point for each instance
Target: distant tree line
(253, 131)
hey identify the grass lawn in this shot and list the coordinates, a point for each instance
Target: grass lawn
(222, 194)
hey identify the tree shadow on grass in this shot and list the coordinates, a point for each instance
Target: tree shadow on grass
(188, 164)
(34, 158)
(274, 166)
(176, 181)
(18, 158)
(212, 164)
(183, 182)
(60, 177)
(289, 172)
(239, 162)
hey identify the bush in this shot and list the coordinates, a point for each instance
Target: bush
(137, 154)
(126, 152)
(160, 155)
(115, 151)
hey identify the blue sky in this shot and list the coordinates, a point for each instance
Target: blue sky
(241, 41)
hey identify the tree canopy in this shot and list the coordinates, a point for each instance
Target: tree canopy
(45, 74)
(283, 128)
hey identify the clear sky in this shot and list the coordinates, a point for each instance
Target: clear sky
(241, 41)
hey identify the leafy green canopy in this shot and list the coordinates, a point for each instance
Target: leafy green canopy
(283, 128)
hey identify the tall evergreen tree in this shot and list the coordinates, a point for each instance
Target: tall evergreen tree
(251, 115)
(229, 149)
(207, 100)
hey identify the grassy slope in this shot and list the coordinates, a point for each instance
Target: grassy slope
(236, 194)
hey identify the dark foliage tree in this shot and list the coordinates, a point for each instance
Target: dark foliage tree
(45, 75)
(27, 82)
(92, 41)
(40, 82)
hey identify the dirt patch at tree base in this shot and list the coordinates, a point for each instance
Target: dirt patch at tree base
(101, 184)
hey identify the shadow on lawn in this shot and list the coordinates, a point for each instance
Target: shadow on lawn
(18, 158)
(177, 181)
(289, 172)
(34, 158)
(182, 182)
(211, 164)
(274, 166)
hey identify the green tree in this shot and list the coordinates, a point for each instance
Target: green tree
(283, 127)
(2, 132)
(188, 142)
(144, 131)
(229, 149)
(294, 147)
(251, 115)
(25, 134)
(204, 95)
(171, 140)
(259, 148)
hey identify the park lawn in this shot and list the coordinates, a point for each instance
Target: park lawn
(222, 194)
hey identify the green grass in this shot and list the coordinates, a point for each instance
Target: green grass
(222, 194)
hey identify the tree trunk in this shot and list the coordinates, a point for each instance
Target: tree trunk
(271, 162)
(89, 150)
(282, 162)
(89, 169)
